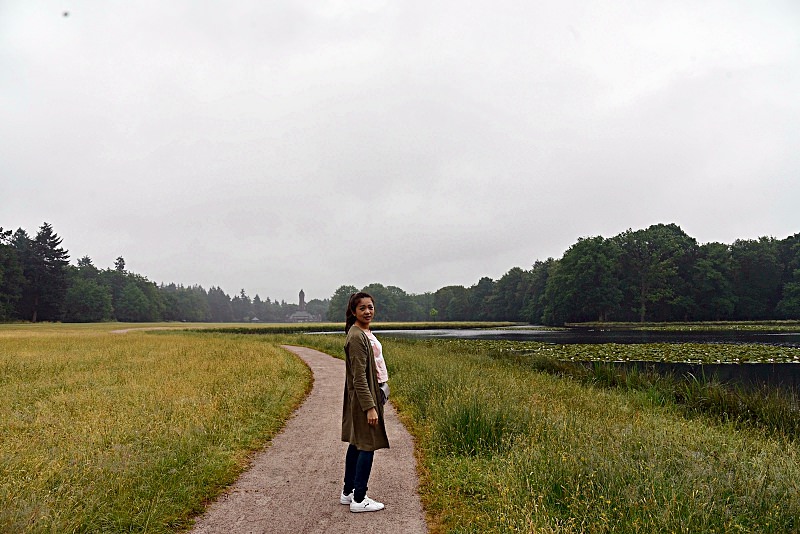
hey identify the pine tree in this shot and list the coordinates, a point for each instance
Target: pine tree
(11, 279)
(44, 265)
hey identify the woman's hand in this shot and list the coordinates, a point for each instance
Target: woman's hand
(372, 416)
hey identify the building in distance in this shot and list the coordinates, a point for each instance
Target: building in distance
(302, 315)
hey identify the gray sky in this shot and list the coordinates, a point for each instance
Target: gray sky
(274, 146)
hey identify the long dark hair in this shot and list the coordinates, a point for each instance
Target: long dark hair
(350, 313)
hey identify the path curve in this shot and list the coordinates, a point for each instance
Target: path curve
(293, 485)
(146, 329)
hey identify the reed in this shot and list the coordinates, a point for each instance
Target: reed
(774, 410)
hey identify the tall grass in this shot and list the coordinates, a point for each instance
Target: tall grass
(772, 409)
(131, 433)
(505, 448)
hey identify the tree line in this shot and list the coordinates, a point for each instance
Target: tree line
(654, 274)
(37, 283)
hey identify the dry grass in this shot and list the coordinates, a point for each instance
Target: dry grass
(112, 433)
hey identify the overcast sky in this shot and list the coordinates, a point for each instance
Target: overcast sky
(280, 145)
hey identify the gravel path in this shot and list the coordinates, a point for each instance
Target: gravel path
(293, 485)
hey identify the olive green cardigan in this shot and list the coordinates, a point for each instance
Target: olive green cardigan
(361, 394)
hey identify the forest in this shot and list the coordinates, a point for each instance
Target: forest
(654, 274)
(37, 283)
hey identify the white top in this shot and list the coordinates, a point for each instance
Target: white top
(380, 364)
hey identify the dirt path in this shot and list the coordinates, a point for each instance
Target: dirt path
(293, 485)
(146, 328)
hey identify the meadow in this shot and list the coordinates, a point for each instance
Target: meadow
(296, 328)
(135, 432)
(131, 432)
(504, 447)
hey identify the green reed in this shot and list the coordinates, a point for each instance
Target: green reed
(771, 409)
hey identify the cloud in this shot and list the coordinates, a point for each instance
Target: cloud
(273, 146)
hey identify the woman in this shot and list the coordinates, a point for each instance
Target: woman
(362, 412)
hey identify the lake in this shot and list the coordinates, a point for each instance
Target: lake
(782, 375)
(587, 336)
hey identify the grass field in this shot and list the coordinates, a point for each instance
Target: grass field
(291, 328)
(131, 433)
(504, 448)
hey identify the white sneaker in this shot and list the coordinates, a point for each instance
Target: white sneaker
(346, 499)
(367, 505)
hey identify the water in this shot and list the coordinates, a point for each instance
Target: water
(780, 375)
(586, 336)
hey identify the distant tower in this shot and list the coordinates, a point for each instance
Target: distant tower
(301, 315)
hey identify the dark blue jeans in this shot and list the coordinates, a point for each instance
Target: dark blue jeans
(357, 467)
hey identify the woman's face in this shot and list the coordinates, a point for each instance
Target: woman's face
(365, 311)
